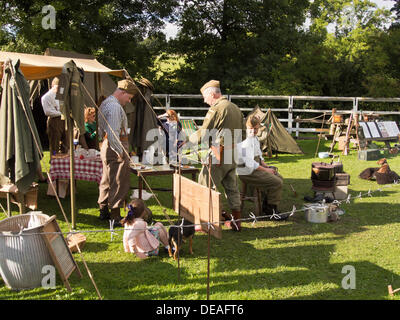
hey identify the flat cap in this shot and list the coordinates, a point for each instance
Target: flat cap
(146, 83)
(128, 86)
(209, 84)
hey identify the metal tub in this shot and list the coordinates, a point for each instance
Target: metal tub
(23, 254)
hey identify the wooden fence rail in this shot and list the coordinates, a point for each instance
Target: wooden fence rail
(293, 121)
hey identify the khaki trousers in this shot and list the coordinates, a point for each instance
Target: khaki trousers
(57, 134)
(115, 181)
(224, 175)
(270, 184)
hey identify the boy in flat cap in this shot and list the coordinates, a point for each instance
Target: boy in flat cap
(113, 125)
(225, 117)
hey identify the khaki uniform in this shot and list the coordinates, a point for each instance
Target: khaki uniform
(115, 183)
(222, 115)
(58, 141)
(269, 184)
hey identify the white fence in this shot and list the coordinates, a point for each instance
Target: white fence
(291, 110)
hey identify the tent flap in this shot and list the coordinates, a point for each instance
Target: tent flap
(38, 67)
(274, 135)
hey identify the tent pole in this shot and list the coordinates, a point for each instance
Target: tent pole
(96, 100)
(72, 170)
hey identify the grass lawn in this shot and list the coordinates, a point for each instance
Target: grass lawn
(270, 260)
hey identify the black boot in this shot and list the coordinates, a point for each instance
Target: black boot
(104, 213)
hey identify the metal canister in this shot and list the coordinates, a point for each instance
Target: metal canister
(316, 212)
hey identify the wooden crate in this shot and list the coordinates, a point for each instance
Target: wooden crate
(370, 154)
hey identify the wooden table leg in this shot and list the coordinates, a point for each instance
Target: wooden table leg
(8, 205)
(140, 185)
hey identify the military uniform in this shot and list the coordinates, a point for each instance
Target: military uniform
(222, 115)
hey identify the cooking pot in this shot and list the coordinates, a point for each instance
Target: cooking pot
(316, 212)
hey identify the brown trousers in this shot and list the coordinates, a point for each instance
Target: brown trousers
(57, 135)
(115, 181)
(271, 185)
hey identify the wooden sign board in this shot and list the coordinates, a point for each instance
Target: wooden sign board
(59, 251)
(194, 204)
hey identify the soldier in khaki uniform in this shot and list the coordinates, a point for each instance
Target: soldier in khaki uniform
(224, 117)
(113, 125)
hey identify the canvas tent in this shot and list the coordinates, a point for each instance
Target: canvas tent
(141, 118)
(37, 67)
(273, 136)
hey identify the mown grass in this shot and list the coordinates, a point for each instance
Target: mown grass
(269, 260)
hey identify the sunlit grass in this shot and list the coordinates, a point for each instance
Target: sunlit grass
(269, 260)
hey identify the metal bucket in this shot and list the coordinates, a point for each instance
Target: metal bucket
(23, 255)
(316, 213)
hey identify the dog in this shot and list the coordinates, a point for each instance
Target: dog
(384, 166)
(175, 238)
(382, 175)
(369, 173)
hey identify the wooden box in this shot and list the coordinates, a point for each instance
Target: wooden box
(370, 154)
(342, 179)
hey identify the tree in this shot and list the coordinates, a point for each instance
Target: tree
(121, 34)
(237, 41)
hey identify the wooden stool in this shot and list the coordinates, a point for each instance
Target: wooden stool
(257, 199)
(28, 199)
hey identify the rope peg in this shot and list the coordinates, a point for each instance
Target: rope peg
(181, 226)
(293, 211)
(348, 198)
(234, 222)
(275, 216)
(112, 233)
(251, 215)
(369, 193)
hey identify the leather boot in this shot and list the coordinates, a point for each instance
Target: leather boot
(104, 213)
(116, 216)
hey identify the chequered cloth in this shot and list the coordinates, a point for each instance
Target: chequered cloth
(85, 169)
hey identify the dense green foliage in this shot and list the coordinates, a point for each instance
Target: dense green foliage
(279, 47)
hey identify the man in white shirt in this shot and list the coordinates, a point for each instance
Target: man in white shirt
(113, 127)
(55, 126)
(255, 172)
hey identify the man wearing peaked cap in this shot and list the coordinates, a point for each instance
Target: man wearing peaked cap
(210, 84)
(128, 86)
(113, 128)
(225, 117)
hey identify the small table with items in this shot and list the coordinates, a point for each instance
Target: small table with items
(142, 171)
(85, 168)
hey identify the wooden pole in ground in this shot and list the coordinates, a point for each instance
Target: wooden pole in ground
(70, 131)
(179, 212)
(209, 236)
(320, 136)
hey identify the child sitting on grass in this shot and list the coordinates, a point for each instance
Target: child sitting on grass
(138, 238)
